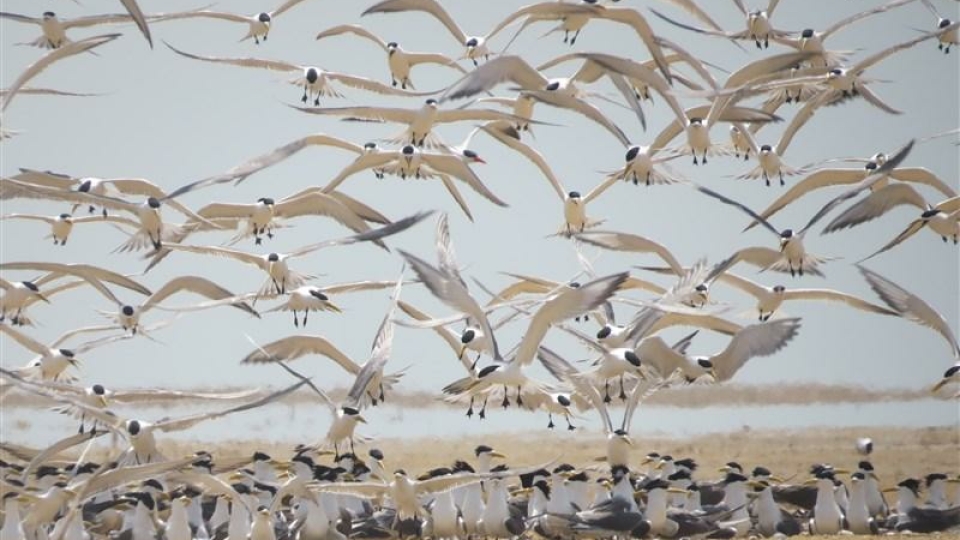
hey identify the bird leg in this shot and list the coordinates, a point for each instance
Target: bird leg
(303, 99)
(296, 323)
(483, 410)
(381, 391)
(780, 173)
(470, 408)
(519, 397)
(506, 402)
(256, 39)
(606, 391)
(550, 422)
(570, 427)
(623, 395)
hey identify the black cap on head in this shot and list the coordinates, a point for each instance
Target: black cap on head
(49, 14)
(468, 335)
(273, 257)
(951, 371)
(604, 332)
(432, 101)
(563, 400)
(98, 389)
(912, 484)
(865, 465)
(350, 411)
(482, 449)
(312, 75)
(127, 310)
(30, 285)
(472, 42)
(376, 454)
(65, 216)
(632, 358)
(761, 471)
(153, 202)
(264, 17)
(704, 363)
(318, 295)
(553, 85)
(927, 214)
(766, 148)
(807, 33)
(260, 456)
(133, 427)
(632, 153)
(392, 45)
(688, 463)
(574, 194)
(487, 371)
(408, 150)
(933, 477)
(66, 352)
(266, 200)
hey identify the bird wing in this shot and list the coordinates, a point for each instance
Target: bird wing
(377, 114)
(241, 256)
(284, 7)
(360, 208)
(450, 337)
(881, 172)
(446, 255)
(507, 136)
(30, 217)
(454, 166)
(674, 317)
(198, 285)
(496, 71)
(567, 101)
(817, 180)
(26, 341)
(836, 296)
(92, 274)
(744, 208)
(179, 424)
(379, 354)
(568, 303)
(274, 65)
(370, 85)
(750, 287)
(93, 20)
(67, 50)
(755, 340)
(362, 163)
(875, 205)
(203, 14)
(860, 16)
(910, 306)
(46, 178)
(637, 71)
(631, 17)
(368, 236)
(740, 34)
(431, 7)
(20, 18)
(414, 58)
(452, 292)
(367, 490)
(149, 395)
(618, 241)
(923, 175)
(655, 352)
(137, 14)
(354, 29)
(321, 204)
(293, 347)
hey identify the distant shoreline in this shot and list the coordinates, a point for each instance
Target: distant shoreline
(693, 397)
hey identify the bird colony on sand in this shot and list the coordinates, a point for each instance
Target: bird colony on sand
(142, 494)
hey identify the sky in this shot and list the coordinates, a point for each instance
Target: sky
(173, 120)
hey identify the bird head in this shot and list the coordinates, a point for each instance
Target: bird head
(64, 217)
(127, 310)
(312, 75)
(632, 357)
(779, 289)
(632, 153)
(273, 257)
(153, 202)
(264, 18)
(49, 15)
(266, 201)
(133, 427)
(472, 156)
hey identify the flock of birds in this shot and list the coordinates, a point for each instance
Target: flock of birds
(142, 493)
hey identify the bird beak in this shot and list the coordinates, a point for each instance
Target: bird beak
(939, 385)
(628, 440)
(324, 453)
(889, 490)
(810, 482)
(713, 373)
(478, 159)
(725, 469)
(360, 418)
(497, 455)
(333, 307)
(42, 297)
(841, 471)
(677, 490)
(777, 479)
(102, 400)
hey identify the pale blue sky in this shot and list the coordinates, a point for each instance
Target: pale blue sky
(173, 120)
